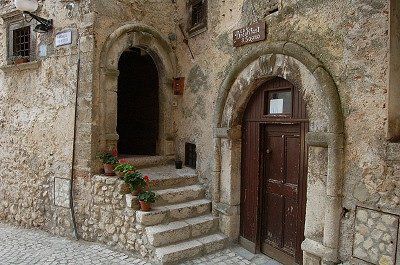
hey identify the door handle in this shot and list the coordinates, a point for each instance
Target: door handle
(268, 151)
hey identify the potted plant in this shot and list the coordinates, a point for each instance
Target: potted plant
(109, 159)
(136, 181)
(145, 200)
(18, 59)
(122, 168)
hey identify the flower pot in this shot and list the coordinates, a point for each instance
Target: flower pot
(137, 191)
(108, 170)
(178, 164)
(145, 206)
(22, 60)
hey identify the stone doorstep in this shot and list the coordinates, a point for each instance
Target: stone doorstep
(147, 161)
(172, 182)
(164, 234)
(190, 249)
(173, 212)
(179, 195)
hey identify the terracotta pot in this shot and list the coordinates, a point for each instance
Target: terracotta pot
(145, 206)
(109, 170)
(137, 191)
(22, 60)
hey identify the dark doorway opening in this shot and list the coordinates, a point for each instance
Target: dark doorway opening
(138, 103)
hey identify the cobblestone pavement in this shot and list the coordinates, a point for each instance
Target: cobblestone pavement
(28, 247)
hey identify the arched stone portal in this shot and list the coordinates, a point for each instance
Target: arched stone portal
(149, 40)
(295, 64)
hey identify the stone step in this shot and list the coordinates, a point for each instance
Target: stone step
(179, 195)
(147, 161)
(190, 249)
(165, 234)
(174, 212)
(165, 177)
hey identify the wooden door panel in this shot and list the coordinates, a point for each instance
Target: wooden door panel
(290, 225)
(292, 161)
(249, 181)
(275, 153)
(281, 177)
(273, 229)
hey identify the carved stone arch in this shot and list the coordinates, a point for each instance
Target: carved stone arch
(148, 39)
(295, 64)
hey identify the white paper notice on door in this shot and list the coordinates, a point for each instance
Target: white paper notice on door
(276, 106)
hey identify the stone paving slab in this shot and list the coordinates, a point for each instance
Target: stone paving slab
(27, 247)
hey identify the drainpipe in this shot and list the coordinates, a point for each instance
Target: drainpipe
(71, 190)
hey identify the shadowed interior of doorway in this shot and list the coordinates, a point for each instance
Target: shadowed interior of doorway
(138, 105)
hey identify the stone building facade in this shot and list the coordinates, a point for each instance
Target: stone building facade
(60, 108)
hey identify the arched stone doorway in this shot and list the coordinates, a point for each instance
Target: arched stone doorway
(138, 105)
(324, 141)
(274, 171)
(150, 41)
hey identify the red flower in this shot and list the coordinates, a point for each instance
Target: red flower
(114, 152)
(122, 161)
(146, 178)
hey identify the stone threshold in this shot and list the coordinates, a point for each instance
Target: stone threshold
(147, 161)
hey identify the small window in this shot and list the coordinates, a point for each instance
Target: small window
(21, 39)
(278, 102)
(198, 17)
(190, 155)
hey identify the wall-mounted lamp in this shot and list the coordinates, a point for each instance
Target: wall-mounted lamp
(28, 6)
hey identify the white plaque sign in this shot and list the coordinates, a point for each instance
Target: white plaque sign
(276, 106)
(63, 38)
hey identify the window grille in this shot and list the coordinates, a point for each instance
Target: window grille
(21, 45)
(198, 17)
(190, 155)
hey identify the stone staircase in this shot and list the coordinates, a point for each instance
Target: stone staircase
(180, 225)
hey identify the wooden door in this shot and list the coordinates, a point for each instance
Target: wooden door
(274, 166)
(281, 157)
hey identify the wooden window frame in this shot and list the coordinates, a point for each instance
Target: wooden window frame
(200, 26)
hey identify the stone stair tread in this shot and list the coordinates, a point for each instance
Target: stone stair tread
(166, 227)
(179, 189)
(162, 214)
(181, 251)
(190, 248)
(179, 194)
(169, 233)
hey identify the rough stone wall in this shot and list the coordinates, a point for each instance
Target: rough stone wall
(110, 221)
(351, 40)
(37, 109)
(37, 106)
